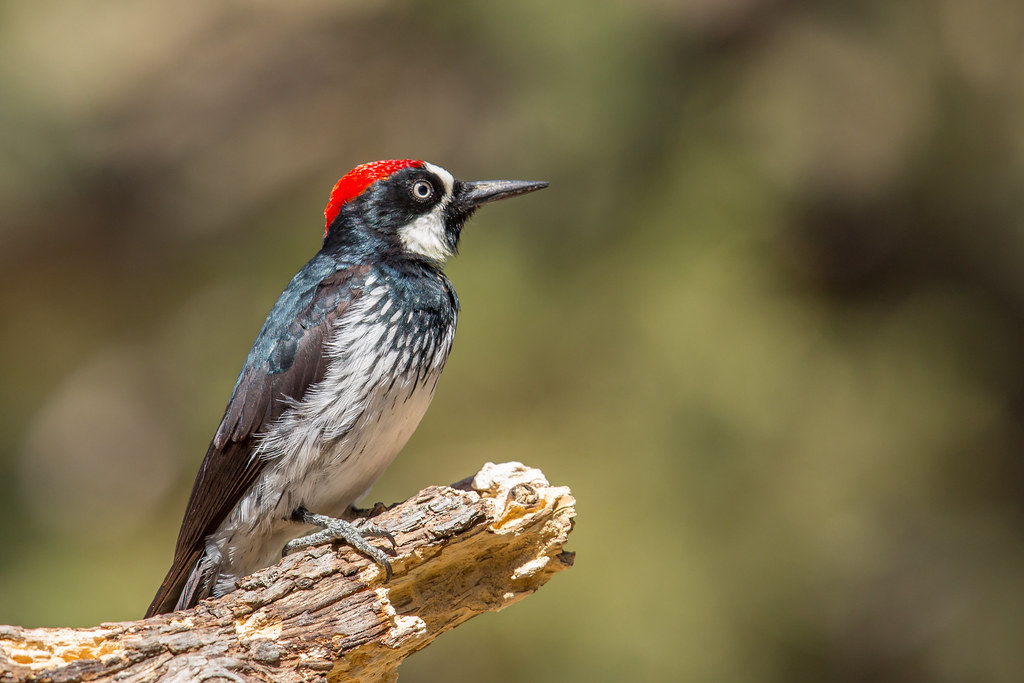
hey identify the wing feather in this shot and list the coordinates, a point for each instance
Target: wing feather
(286, 359)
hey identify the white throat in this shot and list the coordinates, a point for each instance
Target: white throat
(425, 236)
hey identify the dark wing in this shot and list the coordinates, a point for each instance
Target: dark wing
(286, 359)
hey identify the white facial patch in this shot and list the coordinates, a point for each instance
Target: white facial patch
(447, 178)
(425, 236)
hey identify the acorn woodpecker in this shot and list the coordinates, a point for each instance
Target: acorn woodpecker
(338, 378)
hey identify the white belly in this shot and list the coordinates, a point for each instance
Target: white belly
(328, 449)
(322, 477)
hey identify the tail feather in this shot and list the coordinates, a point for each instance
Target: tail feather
(183, 587)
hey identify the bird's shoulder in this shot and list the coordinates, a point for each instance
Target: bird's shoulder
(288, 353)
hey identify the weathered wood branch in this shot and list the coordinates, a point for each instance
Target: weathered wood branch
(325, 614)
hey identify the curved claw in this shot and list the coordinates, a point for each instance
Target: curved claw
(368, 528)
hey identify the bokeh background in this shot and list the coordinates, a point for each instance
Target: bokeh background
(766, 322)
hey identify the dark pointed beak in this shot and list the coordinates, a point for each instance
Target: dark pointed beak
(472, 195)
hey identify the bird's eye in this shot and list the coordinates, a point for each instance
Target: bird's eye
(422, 190)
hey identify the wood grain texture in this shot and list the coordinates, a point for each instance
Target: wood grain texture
(325, 614)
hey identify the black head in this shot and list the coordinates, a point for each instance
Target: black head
(412, 208)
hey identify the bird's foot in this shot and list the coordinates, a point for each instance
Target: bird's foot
(334, 529)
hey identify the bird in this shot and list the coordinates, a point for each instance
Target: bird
(337, 379)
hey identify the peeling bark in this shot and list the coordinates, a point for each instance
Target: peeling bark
(325, 614)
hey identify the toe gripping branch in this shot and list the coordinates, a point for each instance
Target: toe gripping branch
(334, 529)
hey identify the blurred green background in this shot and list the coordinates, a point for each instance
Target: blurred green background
(766, 322)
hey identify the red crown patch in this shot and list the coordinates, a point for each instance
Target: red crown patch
(358, 179)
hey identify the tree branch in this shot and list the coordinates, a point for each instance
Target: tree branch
(475, 547)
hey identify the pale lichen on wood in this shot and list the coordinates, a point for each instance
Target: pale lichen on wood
(325, 614)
